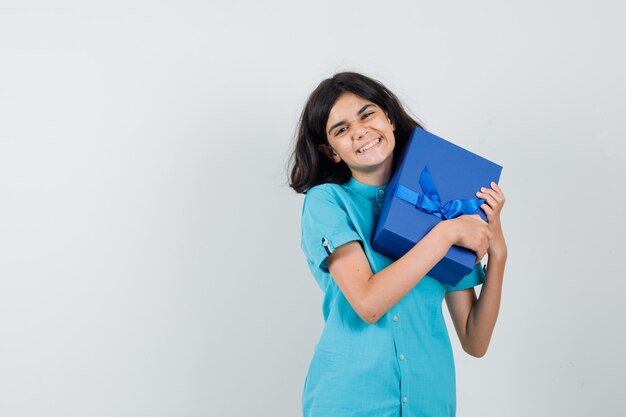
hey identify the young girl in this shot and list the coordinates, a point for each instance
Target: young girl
(384, 350)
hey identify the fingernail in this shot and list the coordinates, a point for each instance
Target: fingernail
(482, 188)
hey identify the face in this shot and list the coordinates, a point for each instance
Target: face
(360, 134)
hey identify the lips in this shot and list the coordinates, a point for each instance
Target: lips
(368, 146)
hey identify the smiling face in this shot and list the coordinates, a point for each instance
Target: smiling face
(360, 134)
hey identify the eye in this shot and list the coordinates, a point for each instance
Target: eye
(340, 130)
(368, 114)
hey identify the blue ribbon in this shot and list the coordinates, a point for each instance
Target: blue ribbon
(430, 201)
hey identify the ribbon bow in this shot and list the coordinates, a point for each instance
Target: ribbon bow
(430, 201)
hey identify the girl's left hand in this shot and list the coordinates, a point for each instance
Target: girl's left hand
(494, 200)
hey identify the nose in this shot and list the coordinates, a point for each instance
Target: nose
(359, 130)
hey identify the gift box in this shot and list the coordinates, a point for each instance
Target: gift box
(435, 180)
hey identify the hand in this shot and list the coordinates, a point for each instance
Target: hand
(471, 232)
(494, 200)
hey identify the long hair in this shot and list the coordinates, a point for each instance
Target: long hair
(308, 166)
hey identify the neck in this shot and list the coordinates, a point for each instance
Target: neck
(376, 177)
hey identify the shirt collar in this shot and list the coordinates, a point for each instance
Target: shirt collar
(369, 191)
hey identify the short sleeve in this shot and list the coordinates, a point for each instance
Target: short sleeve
(474, 278)
(326, 225)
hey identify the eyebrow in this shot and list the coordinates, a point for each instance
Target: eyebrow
(361, 110)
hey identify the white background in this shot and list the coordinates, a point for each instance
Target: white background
(149, 245)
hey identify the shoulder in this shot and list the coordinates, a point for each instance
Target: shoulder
(327, 222)
(325, 194)
(326, 202)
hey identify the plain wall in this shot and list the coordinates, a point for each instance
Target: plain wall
(150, 260)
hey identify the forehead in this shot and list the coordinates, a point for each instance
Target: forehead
(346, 108)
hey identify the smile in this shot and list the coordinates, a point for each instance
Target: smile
(368, 146)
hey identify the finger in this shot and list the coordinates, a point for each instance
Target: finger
(492, 193)
(497, 188)
(499, 195)
(489, 199)
(488, 211)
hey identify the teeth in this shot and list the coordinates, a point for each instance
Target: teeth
(369, 145)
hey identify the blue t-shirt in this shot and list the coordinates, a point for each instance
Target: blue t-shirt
(400, 366)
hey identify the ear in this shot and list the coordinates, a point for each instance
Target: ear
(393, 126)
(329, 152)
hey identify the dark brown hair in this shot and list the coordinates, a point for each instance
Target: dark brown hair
(308, 166)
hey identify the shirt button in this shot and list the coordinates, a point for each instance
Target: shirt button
(401, 357)
(405, 400)
(395, 318)
(381, 192)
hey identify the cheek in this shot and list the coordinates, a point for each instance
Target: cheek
(386, 126)
(390, 135)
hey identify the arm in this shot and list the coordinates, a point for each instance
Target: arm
(372, 295)
(474, 319)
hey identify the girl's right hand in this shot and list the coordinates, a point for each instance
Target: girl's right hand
(468, 231)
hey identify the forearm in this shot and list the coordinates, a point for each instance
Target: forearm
(484, 313)
(385, 288)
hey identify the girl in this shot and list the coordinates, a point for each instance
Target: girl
(384, 350)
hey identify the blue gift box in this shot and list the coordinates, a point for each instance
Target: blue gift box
(434, 180)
